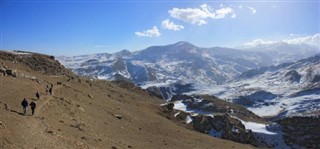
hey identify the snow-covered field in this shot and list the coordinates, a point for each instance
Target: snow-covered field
(270, 135)
(167, 83)
(273, 93)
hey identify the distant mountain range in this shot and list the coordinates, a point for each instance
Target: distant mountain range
(185, 62)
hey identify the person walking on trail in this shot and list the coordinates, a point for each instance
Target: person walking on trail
(50, 90)
(38, 95)
(24, 104)
(33, 106)
(47, 89)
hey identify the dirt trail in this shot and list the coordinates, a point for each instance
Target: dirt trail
(45, 100)
(27, 128)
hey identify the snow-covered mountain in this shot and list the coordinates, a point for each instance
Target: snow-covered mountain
(276, 91)
(181, 61)
(285, 52)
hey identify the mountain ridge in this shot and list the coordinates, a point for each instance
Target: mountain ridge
(164, 63)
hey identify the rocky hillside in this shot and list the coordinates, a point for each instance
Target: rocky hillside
(41, 63)
(84, 113)
(301, 131)
(221, 119)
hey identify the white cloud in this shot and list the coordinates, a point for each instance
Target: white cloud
(240, 7)
(200, 15)
(166, 24)
(257, 42)
(154, 32)
(313, 40)
(253, 10)
(221, 13)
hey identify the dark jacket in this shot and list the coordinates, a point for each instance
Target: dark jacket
(33, 105)
(38, 94)
(24, 103)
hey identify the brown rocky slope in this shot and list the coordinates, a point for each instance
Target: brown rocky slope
(84, 113)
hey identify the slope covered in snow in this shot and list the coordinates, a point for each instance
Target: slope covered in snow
(283, 90)
(213, 112)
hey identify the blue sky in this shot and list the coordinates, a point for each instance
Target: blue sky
(82, 27)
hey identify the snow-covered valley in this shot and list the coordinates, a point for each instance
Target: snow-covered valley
(292, 90)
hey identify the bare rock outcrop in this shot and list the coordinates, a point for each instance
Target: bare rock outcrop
(167, 107)
(303, 132)
(229, 128)
(11, 72)
(39, 62)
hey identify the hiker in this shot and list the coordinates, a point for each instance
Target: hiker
(47, 89)
(24, 104)
(33, 106)
(38, 95)
(50, 90)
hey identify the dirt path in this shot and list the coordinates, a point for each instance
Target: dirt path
(36, 125)
(45, 100)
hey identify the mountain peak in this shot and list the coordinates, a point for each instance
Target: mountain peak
(123, 52)
(183, 43)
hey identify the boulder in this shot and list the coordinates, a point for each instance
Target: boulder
(182, 115)
(2, 125)
(167, 107)
(7, 107)
(154, 91)
(51, 131)
(81, 109)
(202, 123)
(11, 72)
(3, 71)
(118, 116)
(90, 96)
(293, 76)
(231, 128)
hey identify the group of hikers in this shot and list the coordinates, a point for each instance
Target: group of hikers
(49, 89)
(24, 104)
(33, 105)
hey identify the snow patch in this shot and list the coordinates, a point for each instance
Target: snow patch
(257, 127)
(178, 105)
(175, 115)
(188, 119)
(148, 84)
